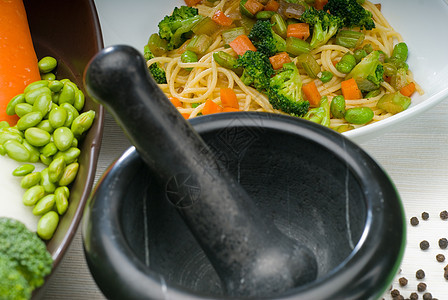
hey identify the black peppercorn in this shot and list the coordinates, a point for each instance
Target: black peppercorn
(414, 221)
(444, 215)
(425, 215)
(427, 296)
(440, 257)
(395, 293)
(420, 274)
(413, 296)
(421, 287)
(403, 281)
(443, 243)
(424, 245)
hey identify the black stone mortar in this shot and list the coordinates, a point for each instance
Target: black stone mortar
(317, 188)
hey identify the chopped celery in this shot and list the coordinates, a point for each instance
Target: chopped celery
(349, 38)
(230, 34)
(309, 64)
(206, 26)
(394, 103)
(279, 26)
(296, 46)
(199, 44)
(157, 45)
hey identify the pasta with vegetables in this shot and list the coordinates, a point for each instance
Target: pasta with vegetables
(338, 63)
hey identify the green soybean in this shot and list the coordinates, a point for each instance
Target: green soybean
(69, 174)
(43, 103)
(82, 123)
(45, 125)
(61, 198)
(79, 101)
(45, 159)
(6, 136)
(57, 117)
(44, 205)
(33, 194)
(49, 149)
(63, 138)
(326, 76)
(72, 113)
(47, 64)
(16, 150)
(337, 107)
(31, 119)
(344, 127)
(346, 64)
(23, 170)
(70, 155)
(31, 96)
(22, 109)
(55, 86)
(34, 152)
(37, 137)
(36, 85)
(359, 115)
(47, 225)
(4, 124)
(45, 181)
(56, 169)
(30, 180)
(48, 76)
(67, 94)
(2, 150)
(265, 15)
(10, 108)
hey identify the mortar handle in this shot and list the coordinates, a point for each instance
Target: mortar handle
(251, 256)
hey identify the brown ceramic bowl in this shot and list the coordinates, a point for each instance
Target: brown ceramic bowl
(70, 32)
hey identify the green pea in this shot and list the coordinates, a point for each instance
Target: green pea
(23, 170)
(47, 64)
(34, 152)
(69, 174)
(45, 181)
(37, 137)
(63, 138)
(67, 94)
(80, 99)
(326, 76)
(337, 107)
(57, 117)
(43, 103)
(72, 113)
(6, 136)
(33, 194)
(32, 95)
(16, 150)
(29, 120)
(30, 180)
(45, 125)
(61, 197)
(49, 149)
(45, 160)
(82, 123)
(10, 108)
(36, 85)
(47, 225)
(22, 109)
(70, 155)
(44, 205)
(56, 168)
(359, 115)
(48, 76)
(4, 124)
(346, 64)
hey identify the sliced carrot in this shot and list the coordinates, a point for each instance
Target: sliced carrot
(408, 89)
(192, 2)
(298, 30)
(228, 98)
(279, 59)
(311, 93)
(230, 109)
(176, 102)
(18, 60)
(211, 107)
(350, 89)
(319, 4)
(253, 6)
(219, 17)
(272, 5)
(241, 44)
(185, 115)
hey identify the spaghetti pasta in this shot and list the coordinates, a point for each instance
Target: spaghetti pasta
(194, 83)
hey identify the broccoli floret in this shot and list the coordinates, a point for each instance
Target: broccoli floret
(27, 255)
(368, 73)
(257, 70)
(265, 39)
(324, 25)
(156, 71)
(13, 286)
(285, 91)
(351, 12)
(176, 29)
(320, 114)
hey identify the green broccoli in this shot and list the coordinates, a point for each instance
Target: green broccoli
(257, 70)
(176, 29)
(351, 12)
(265, 39)
(156, 71)
(324, 25)
(24, 260)
(320, 114)
(285, 91)
(368, 73)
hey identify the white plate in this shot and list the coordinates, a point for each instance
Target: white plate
(422, 25)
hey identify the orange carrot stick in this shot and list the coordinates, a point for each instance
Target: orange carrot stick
(219, 17)
(298, 30)
(279, 59)
(192, 2)
(228, 98)
(176, 102)
(185, 115)
(311, 93)
(319, 4)
(350, 89)
(272, 5)
(18, 61)
(408, 89)
(241, 44)
(253, 6)
(230, 109)
(211, 107)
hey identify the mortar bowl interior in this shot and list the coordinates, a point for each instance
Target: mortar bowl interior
(317, 187)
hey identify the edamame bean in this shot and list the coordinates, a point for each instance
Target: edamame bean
(4, 124)
(70, 155)
(36, 85)
(67, 94)
(55, 86)
(359, 115)
(31, 119)
(326, 76)
(61, 197)
(80, 99)
(2, 150)
(32, 95)
(45, 125)
(82, 123)
(10, 108)
(48, 76)
(30, 180)
(34, 152)
(56, 168)
(57, 117)
(33, 194)
(346, 64)
(23, 170)
(69, 174)
(22, 109)
(399, 53)
(72, 113)
(47, 64)
(49, 149)
(45, 160)
(47, 225)
(37, 137)
(6, 136)
(16, 150)
(46, 182)
(337, 107)
(44, 205)
(43, 103)
(63, 138)
(186, 57)
(344, 128)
